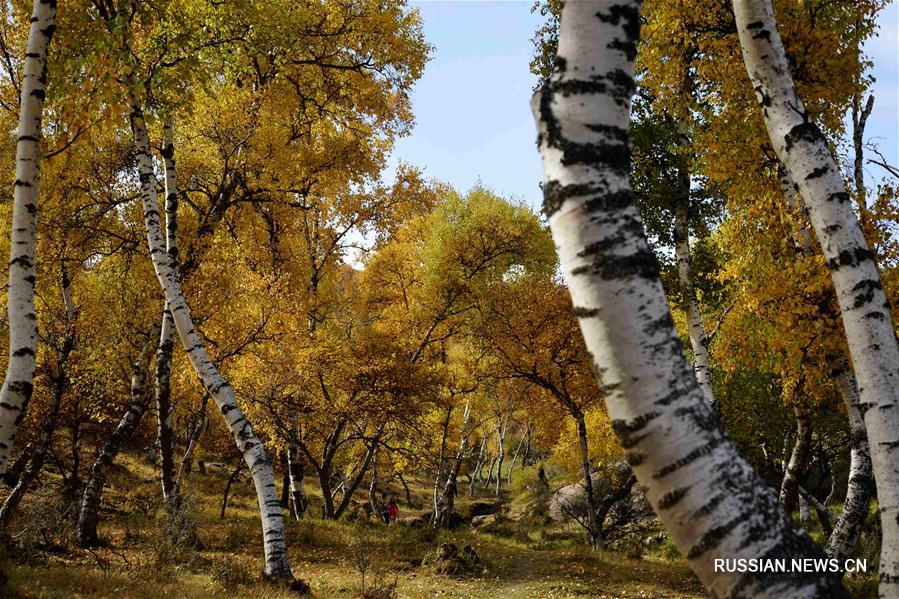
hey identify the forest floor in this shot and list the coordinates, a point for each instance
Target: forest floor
(517, 562)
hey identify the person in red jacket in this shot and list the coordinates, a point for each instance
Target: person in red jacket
(393, 509)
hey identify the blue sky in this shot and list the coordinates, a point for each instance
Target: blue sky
(471, 109)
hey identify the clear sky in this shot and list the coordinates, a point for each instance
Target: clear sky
(471, 106)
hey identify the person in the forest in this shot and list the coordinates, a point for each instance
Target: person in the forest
(393, 509)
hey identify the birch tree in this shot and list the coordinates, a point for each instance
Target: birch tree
(708, 498)
(867, 318)
(163, 370)
(88, 516)
(19, 380)
(250, 446)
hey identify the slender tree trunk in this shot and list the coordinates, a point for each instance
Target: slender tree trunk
(373, 489)
(709, 499)
(490, 473)
(438, 478)
(163, 373)
(476, 471)
(789, 486)
(45, 439)
(593, 526)
(867, 318)
(502, 424)
(406, 490)
(193, 438)
(254, 454)
(88, 518)
(524, 435)
(285, 481)
(296, 472)
(446, 503)
(227, 491)
(366, 462)
(19, 380)
(860, 489)
(859, 119)
(698, 337)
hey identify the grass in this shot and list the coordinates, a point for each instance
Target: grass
(517, 560)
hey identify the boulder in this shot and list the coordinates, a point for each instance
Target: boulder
(482, 521)
(451, 560)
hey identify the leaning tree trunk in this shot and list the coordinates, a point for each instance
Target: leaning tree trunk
(88, 518)
(19, 380)
(163, 374)
(711, 502)
(45, 439)
(696, 329)
(867, 318)
(789, 486)
(524, 435)
(860, 489)
(254, 454)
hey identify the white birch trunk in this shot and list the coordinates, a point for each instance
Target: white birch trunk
(19, 380)
(163, 373)
(695, 328)
(860, 488)
(711, 502)
(254, 454)
(803, 149)
(796, 466)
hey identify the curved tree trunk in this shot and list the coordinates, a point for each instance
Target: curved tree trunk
(711, 502)
(867, 318)
(45, 439)
(860, 489)
(19, 380)
(789, 486)
(88, 517)
(163, 374)
(254, 454)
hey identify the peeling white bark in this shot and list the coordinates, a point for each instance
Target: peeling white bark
(803, 149)
(19, 380)
(710, 501)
